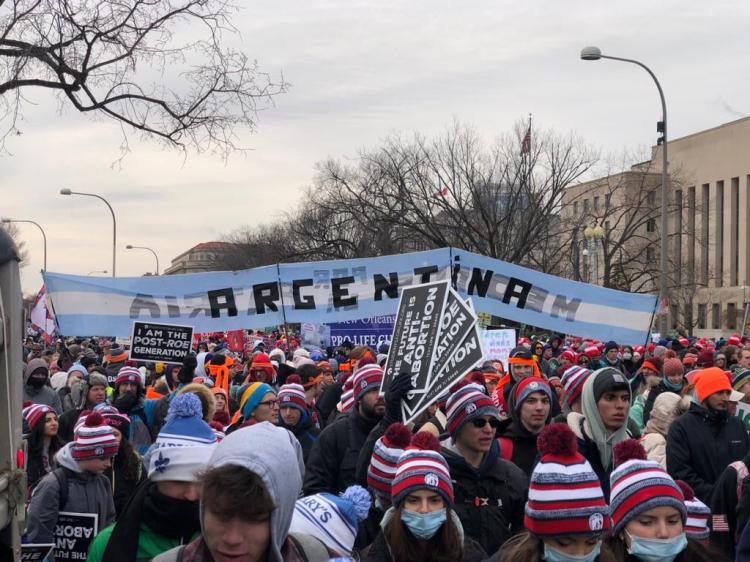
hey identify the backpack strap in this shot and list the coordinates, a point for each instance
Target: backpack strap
(62, 482)
(506, 448)
(311, 549)
(742, 473)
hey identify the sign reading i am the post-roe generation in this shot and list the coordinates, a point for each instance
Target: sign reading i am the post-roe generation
(168, 343)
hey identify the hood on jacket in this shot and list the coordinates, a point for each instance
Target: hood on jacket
(65, 458)
(200, 368)
(275, 455)
(32, 366)
(666, 409)
(604, 440)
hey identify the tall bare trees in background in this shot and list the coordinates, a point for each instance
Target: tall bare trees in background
(190, 91)
(414, 193)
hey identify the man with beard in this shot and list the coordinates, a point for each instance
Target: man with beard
(332, 463)
(85, 394)
(702, 442)
(37, 389)
(164, 511)
(128, 399)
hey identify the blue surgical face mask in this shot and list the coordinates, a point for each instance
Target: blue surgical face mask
(657, 550)
(551, 554)
(423, 525)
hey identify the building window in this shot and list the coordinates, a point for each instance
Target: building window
(719, 222)
(651, 225)
(701, 316)
(734, 233)
(585, 206)
(731, 316)
(678, 237)
(575, 208)
(607, 201)
(688, 320)
(716, 316)
(596, 203)
(705, 207)
(650, 254)
(691, 236)
(651, 198)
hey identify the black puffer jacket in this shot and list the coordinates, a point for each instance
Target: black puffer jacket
(380, 552)
(489, 500)
(651, 398)
(332, 463)
(305, 432)
(701, 443)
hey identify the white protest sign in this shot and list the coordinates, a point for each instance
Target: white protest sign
(497, 344)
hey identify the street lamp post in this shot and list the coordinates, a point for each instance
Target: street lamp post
(44, 236)
(131, 247)
(66, 191)
(594, 53)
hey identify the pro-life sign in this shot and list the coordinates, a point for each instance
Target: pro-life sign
(73, 535)
(435, 340)
(168, 343)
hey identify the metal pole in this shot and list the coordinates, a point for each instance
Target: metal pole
(663, 282)
(114, 224)
(150, 250)
(44, 236)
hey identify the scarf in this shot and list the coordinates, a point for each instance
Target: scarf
(603, 439)
(169, 517)
(672, 387)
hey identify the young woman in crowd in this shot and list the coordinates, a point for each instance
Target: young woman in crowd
(43, 442)
(649, 512)
(421, 525)
(570, 528)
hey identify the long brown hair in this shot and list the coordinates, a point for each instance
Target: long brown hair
(445, 546)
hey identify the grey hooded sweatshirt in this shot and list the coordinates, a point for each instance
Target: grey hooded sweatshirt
(274, 454)
(44, 395)
(87, 493)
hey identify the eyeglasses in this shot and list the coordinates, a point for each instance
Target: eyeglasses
(269, 403)
(479, 423)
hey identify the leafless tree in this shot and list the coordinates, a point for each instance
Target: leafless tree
(158, 67)
(15, 235)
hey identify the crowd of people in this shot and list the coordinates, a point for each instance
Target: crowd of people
(576, 450)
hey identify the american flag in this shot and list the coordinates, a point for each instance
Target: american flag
(526, 142)
(719, 524)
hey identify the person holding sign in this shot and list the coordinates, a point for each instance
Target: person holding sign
(77, 488)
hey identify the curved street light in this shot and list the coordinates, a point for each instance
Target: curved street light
(66, 191)
(44, 236)
(595, 53)
(131, 247)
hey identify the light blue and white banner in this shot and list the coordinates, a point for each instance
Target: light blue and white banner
(341, 290)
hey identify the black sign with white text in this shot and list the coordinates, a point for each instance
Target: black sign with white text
(168, 343)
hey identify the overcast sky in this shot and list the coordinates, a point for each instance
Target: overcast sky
(359, 71)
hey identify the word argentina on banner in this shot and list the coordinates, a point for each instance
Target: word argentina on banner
(341, 290)
(435, 341)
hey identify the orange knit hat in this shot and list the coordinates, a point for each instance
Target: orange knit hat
(710, 381)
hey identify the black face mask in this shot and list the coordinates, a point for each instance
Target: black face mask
(171, 517)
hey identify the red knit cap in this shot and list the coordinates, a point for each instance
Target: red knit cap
(422, 467)
(94, 440)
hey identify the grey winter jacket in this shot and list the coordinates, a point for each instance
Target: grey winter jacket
(87, 493)
(44, 395)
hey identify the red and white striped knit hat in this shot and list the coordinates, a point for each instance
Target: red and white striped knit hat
(572, 381)
(422, 467)
(292, 396)
(94, 440)
(128, 374)
(565, 496)
(698, 513)
(35, 413)
(384, 461)
(366, 379)
(467, 403)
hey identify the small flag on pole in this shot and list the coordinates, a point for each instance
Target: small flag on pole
(526, 142)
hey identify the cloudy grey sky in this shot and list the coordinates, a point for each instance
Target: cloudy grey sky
(359, 71)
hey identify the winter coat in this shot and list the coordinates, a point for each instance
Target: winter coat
(332, 463)
(701, 444)
(523, 444)
(44, 395)
(489, 500)
(654, 438)
(293, 550)
(150, 544)
(122, 487)
(326, 402)
(305, 432)
(379, 551)
(86, 493)
(726, 509)
(653, 394)
(112, 369)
